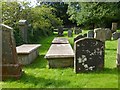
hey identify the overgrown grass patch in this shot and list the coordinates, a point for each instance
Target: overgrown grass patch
(38, 75)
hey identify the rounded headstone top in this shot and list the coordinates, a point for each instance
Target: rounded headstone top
(22, 22)
(5, 26)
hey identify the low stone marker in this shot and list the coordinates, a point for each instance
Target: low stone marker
(118, 54)
(70, 33)
(90, 34)
(99, 33)
(78, 37)
(60, 55)
(114, 27)
(115, 35)
(23, 26)
(10, 66)
(108, 34)
(27, 53)
(60, 31)
(60, 40)
(89, 55)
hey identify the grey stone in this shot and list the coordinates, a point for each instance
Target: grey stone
(10, 66)
(60, 40)
(90, 34)
(78, 37)
(60, 55)
(114, 27)
(23, 27)
(60, 31)
(115, 35)
(27, 53)
(70, 33)
(89, 55)
(108, 34)
(99, 33)
(118, 54)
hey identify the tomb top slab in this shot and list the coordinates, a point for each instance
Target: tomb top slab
(60, 51)
(60, 40)
(27, 48)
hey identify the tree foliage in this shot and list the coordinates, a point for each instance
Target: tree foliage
(96, 13)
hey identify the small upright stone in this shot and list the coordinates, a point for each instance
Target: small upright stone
(10, 66)
(115, 35)
(90, 34)
(60, 31)
(99, 34)
(70, 33)
(114, 27)
(118, 54)
(108, 34)
(23, 26)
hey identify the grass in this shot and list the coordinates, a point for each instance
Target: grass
(37, 74)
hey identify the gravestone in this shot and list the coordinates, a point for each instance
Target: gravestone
(23, 27)
(60, 31)
(114, 27)
(118, 54)
(10, 66)
(70, 33)
(60, 40)
(77, 30)
(89, 55)
(108, 34)
(115, 35)
(99, 33)
(78, 37)
(90, 34)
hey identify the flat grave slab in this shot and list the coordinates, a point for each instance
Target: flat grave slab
(60, 55)
(27, 53)
(60, 40)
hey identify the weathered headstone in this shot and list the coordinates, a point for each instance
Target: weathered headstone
(78, 37)
(77, 30)
(60, 31)
(114, 27)
(99, 34)
(23, 26)
(108, 34)
(60, 40)
(10, 66)
(89, 55)
(118, 54)
(70, 33)
(90, 34)
(115, 35)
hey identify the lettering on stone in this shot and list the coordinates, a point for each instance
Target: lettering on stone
(89, 55)
(10, 66)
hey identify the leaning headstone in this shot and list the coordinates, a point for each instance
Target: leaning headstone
(60, 31)
(115, 35)
(90, 34)
(114, 27)
(118, 54)
(23, 26)
(10, 66)
(70, 33)
(78, 37)
(108, 34)
(99, 34)
(89, 55)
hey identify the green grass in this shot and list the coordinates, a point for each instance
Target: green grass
(37, 74)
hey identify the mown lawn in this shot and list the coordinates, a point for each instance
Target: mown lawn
(37, 74)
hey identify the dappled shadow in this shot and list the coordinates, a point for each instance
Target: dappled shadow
(111, 49)
(103, 71)
(39, 81)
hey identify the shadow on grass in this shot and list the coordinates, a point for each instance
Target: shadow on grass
(111, 49)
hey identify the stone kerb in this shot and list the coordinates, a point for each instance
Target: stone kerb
(10, 66)
(89, 55)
